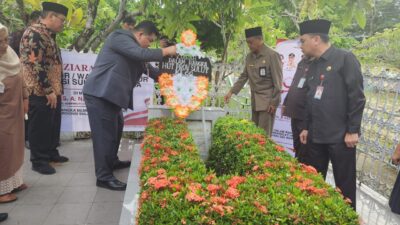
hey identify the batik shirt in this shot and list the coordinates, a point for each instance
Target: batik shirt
(41, 61)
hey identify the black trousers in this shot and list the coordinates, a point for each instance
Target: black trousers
(106, 124)
(343, 162)
(44, 129)
(394, 201)
(301, 152)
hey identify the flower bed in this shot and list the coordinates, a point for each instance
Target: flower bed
(257, 182)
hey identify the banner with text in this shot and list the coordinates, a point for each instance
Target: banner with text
(77, 67)
(290, 54)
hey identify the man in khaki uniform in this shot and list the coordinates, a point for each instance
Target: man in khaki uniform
(264, 71)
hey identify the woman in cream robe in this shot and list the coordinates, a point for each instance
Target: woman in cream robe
(13, 105)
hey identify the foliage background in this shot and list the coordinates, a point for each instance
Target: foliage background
(369, 26)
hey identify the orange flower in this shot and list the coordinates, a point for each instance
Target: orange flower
(260, 207)
(268, 164)
(255, 168)
(309, 169)
(185, 135)
(263, 176)
(172, 179)
(181, 111)
(235, 181)
(165, 158)
(161, 183)
(188, 38)
(218, 209)
(161, 171)
(176, 187)
(192, 197)
(210, 177)
(213, 189)
(163, 203)
(194, 187)
(219, 200)
(183, 221)
(279, 148)
(144, 196)
(232, 193)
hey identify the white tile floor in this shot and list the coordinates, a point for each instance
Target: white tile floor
(69, 197)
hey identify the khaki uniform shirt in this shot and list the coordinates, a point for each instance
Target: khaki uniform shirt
(264, 73)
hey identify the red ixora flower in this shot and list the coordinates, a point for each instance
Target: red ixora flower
(309, 169)
(144, 195)
(279, 148)
(161, 183)
(260, 207)
(219, 200)
(213, 189)
(235, 181)
(232, 193)
(193, 197)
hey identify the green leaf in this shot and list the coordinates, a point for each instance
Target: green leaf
(360, 17)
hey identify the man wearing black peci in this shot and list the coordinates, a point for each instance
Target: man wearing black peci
(335, 104)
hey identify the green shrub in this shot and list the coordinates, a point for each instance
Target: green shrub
(263, 186)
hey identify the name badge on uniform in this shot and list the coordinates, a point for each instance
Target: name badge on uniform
(318, 93)
(301, 82)
(2, 88)
(263, 71)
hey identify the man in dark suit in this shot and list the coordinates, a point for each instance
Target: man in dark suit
(108, 89)
(294, 107)
(335, 104)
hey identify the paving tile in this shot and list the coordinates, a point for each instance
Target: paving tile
(82, 179)
(41, 196)
(28, 215)
(68, 167)
(78, 195)
(57, 179)
(85, 167)
(105, 195)
(104, 213)
(7, 207)
(68, 214)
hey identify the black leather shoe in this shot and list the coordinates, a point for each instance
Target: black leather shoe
(3, 216)
(114, 185)
(59, 159)
(121, 164)
(44, 169)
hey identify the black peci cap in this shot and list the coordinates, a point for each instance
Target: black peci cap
(255, 31)
(320, 26)
(55, 7)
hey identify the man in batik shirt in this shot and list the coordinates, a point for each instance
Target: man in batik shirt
(42, 71)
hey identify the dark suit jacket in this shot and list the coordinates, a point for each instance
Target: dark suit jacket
(118, 68)
(295, 101)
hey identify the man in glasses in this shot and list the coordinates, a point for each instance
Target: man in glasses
(42, 71)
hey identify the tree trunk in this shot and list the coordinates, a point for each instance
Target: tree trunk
(22, 12)
(87, 33)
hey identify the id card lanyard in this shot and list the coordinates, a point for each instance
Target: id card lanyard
(320, 88)
(303, 79)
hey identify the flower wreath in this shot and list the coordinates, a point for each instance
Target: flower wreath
(184, 93)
